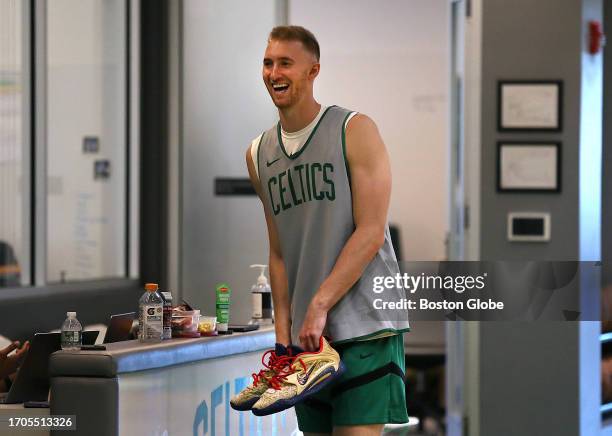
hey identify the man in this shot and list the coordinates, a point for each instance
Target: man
(323, 176)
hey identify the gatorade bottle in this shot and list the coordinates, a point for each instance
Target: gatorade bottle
(71, 338)
(151, 314)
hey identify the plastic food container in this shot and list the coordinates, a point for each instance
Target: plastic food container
(208, 325)
(185, 323)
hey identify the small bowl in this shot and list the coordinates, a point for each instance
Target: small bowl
(207, 325)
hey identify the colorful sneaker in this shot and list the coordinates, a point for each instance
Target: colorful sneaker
(308, 373)
(278, 358)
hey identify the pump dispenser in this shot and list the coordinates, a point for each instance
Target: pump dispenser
(261, 295)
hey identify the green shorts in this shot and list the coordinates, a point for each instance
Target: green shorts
(371, 390)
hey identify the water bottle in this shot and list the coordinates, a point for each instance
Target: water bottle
(71, 333)
(151, 315)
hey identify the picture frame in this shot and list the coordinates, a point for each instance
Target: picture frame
(529, 105)
(529, 166)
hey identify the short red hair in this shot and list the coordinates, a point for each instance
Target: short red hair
(297, 33)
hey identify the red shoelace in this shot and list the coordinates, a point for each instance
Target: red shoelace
(281, 366)
(279, 376)
(276, 364)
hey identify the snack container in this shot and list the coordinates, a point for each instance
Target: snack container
(208, 325)
(185, 323)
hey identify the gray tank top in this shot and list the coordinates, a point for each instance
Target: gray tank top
(309, 194)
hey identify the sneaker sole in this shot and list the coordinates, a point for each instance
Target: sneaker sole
(287, 403)
(244, 406)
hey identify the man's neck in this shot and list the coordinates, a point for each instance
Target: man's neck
(299, 116)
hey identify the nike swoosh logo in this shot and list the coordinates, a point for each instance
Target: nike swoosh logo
(303, 378)
(365, 356)
(273, 162)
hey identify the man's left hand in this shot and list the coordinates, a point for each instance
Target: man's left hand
(313, 326)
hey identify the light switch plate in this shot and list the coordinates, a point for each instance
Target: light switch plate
(529, 226)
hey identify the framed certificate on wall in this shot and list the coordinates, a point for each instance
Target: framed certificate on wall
(528, 166)
(528, 105)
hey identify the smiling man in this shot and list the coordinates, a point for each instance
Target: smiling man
(323, 176)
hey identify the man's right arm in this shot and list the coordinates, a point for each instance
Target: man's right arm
(278, 274)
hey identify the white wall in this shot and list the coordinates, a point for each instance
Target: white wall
(225, 106)
(391, 61)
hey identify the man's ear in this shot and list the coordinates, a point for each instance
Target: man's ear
(314, 71)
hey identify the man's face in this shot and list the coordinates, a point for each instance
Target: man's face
(288, 72)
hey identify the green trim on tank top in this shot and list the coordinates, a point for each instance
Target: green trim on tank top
(346, 164)
(258, 149)
(295, 155)
(371, 336)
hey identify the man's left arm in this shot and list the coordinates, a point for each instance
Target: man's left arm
(371, 189)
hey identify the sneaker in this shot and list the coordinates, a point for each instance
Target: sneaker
(307, 374)
(277, 359)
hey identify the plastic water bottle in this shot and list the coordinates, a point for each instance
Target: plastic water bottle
(151, 315)
(71, 333)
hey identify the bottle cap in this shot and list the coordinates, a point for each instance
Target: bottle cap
(71, 314)
(151, 287)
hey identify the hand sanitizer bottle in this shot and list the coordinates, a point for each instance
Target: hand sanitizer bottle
(261, 295)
